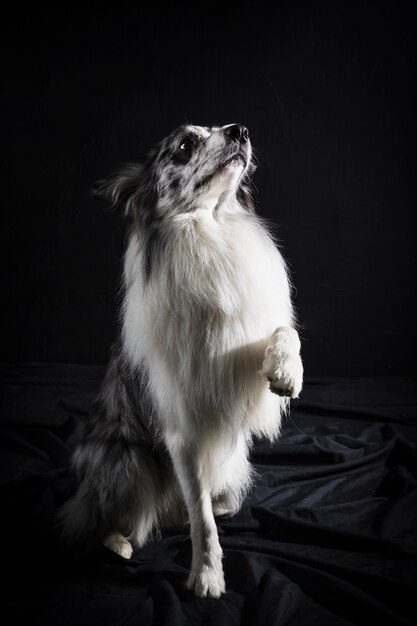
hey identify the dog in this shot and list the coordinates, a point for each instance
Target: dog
(207, 332)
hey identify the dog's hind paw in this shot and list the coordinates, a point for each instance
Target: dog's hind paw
(119, 544)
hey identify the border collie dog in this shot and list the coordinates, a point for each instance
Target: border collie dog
(206, 334)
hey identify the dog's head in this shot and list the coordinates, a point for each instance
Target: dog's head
(194, 167)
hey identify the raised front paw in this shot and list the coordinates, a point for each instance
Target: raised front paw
(207, 582)
(286, 379)
(282, 364)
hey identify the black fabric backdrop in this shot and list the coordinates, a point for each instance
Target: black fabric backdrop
(328, 91)
(327, 536)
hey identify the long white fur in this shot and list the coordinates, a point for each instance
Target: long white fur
(214, 327)
(210, 322)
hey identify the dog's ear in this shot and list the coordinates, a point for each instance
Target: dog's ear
(119, 190)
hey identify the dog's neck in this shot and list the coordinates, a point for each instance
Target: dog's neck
(222, 191)
(213, 202)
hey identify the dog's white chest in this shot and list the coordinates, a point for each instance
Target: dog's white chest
(233, 267)
(220, 284)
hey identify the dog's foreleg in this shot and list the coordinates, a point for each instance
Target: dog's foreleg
(282, 364)
(206, 577)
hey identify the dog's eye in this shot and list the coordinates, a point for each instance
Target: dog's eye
(184, 151)
(186, 144)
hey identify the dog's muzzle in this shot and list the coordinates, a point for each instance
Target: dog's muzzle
(237, 138)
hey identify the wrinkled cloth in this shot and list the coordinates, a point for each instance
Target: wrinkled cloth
(327, 535)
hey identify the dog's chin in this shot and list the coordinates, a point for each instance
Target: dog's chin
(237, 161)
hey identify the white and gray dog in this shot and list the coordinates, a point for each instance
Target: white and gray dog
(206, 333)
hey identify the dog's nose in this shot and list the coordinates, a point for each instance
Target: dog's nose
(237, 132)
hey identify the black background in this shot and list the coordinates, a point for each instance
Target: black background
(327, 535)
(328, 92)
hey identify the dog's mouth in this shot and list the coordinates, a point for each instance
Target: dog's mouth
(239, 158)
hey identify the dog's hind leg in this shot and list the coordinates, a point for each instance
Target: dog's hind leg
(118, 496)
(226, 504)
(119, 544)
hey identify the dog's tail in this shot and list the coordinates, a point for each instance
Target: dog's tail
(78, 518)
